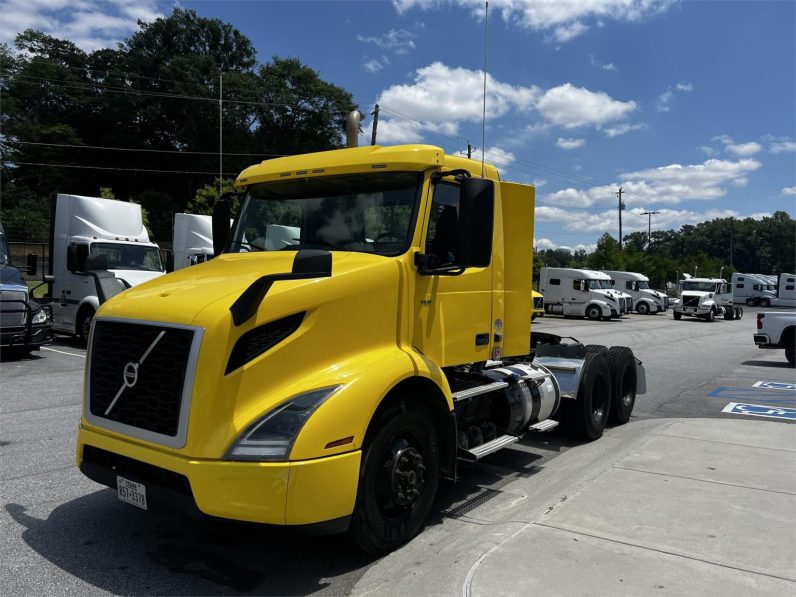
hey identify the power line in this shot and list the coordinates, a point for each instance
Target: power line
(122, 169)
(272, 155)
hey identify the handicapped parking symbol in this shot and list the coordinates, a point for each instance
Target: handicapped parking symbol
(759, 410)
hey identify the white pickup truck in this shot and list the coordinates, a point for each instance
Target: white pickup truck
(777, 330)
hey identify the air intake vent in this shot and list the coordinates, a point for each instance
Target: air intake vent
(255, 342)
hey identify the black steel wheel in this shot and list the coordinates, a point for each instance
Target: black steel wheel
(398, 479)
(622, 366)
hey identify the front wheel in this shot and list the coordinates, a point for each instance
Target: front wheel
(83, 324)
(643, 309)
(677, 315)
(765, 303)
(594, 312)
(750, 302)
(710, 316)
(398, 479)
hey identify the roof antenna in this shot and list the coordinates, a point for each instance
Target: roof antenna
(483, 118)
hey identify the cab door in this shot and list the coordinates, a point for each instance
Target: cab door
(454, 312)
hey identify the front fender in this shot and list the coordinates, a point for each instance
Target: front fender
(605, 307)
(370, 376)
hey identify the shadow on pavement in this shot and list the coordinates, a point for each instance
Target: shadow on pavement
(773, 364)
(126, 552)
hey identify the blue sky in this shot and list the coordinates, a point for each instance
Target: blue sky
(689, 106)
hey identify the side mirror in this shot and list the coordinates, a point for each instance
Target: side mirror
(76, 258)
(96, 262)
(476, 216)
(582, 285)
(33, 264)
(222, 213)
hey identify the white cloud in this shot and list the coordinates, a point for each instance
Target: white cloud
(499, 158)
(543, 244)
(782, 147)
(707, 150)
(684, 87)
(621, 129)
(399, 41)
(89, 24)
(564, 143)
(789, 191)
(566, 18)
(739, 149)
(744, 149)
(597, 64)
(664, 101)
(376, 64)
(572, 107)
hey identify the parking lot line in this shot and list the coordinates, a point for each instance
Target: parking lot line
(71, 354)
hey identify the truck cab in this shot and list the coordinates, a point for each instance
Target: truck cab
(581, 293)
(644, 299)
(706, 298)
(25, 324)
(751, 289)
(786, 291)
(329, 381)
(87, 231)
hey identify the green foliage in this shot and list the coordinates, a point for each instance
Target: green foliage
(158, 91)
(205, 198)
(106, 193)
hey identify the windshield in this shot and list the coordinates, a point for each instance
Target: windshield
(599, 284)
(129, 256)
(701, 286)
(644, 285)
(367, 213)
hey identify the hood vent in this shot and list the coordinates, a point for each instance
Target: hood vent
(257, 341)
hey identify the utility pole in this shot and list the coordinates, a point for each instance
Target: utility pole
(621, 207)
(375, 115)
(649, 215)
(220, 134)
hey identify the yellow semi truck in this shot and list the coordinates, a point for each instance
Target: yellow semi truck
(364, 327)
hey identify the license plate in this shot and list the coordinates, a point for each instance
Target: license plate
(131, 492)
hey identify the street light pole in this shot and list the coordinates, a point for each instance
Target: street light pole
(649, 215)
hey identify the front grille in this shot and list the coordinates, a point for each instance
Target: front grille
(666, 302)
(13, 308)
(138, 374)
(690, 301)
(629, 304)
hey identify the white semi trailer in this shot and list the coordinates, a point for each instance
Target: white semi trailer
(645, 300)
(99, 247)
(193, 239)
(580, 293)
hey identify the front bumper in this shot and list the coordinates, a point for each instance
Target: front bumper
(21, 337)
(281, 493)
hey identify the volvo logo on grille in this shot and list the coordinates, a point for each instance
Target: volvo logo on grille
(130, 374)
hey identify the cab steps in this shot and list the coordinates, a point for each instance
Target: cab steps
(478, 452)
(545, 425)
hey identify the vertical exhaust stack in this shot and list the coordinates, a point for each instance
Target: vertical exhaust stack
(352, 128)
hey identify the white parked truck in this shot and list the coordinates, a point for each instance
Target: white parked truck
(99, 247)
(644, 299)
(777, 330)
(706, 298)
(580, 293)
(786, 291)
(193, 239)
(752, 289)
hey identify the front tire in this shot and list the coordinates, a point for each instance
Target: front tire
(711, 316)
(643, 309)
(750, 302)
(677, 315)
(765, 303)
(398, 479)
(594, 312)
(83, 324)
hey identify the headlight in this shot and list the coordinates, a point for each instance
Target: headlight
(271, 437)
(41, 316)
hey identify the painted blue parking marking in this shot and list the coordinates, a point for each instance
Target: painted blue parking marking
(761, 410)
(753, 394)
(775, 385)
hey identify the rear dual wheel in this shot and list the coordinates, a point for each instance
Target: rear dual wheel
(587, 415)
(622, 368)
